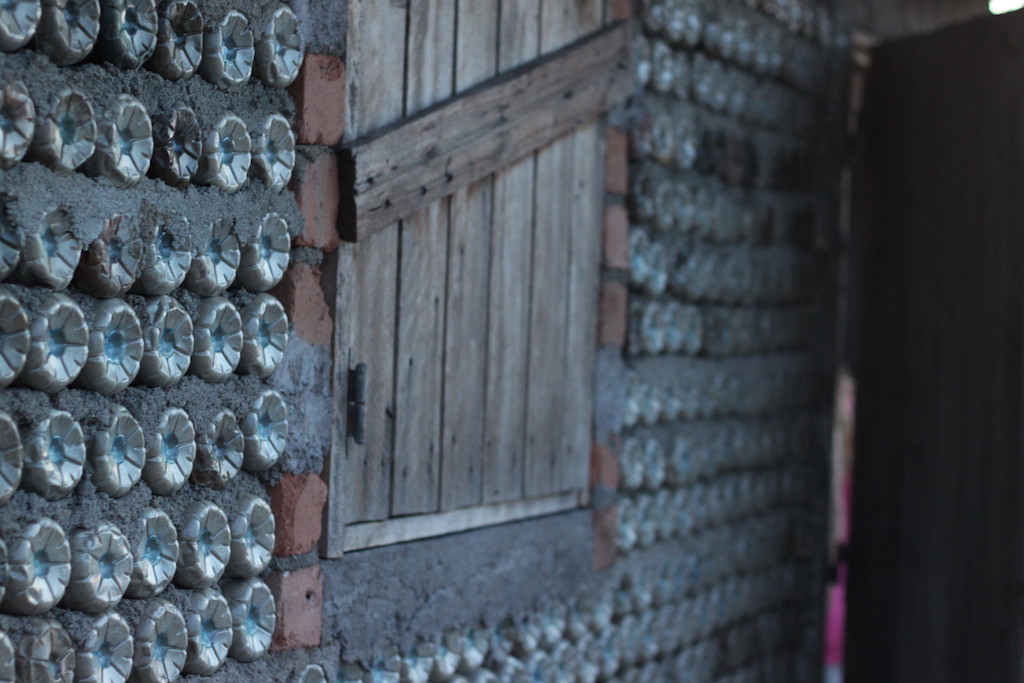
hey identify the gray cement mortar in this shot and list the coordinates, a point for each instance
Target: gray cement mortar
(323, 25)
(611, 380)
(306, 255)
(396, 594)
(303, 378)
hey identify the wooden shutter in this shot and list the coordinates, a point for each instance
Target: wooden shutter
(474, 192)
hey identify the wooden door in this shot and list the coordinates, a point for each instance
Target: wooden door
(474, 162)
(935, 571)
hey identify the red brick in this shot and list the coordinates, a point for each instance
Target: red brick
(299, 596)
(604, 464)
(606, 531)
(298, 502)
(302, 294)
(316, 189)
(616, 162)
(319, 94)
(612, 323)
(616, 237)
(621, 10)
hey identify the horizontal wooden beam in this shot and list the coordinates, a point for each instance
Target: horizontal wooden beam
(398, 170)
(413, 527)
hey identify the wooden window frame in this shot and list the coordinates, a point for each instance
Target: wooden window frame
(444, 149)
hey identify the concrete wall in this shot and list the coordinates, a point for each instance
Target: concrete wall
(702, 554)
(708, 519)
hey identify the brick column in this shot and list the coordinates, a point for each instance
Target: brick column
(299, 497)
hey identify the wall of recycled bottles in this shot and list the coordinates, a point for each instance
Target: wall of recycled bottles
(734, 225)
(722, 505)
(144, 147)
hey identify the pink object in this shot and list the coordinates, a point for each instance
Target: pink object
(836, 622)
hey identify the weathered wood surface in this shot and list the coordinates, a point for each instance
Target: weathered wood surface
(935, 556)
(439, 301)
(334, 515)
(375, 69)
(587, 204)
(508, 331)
(420, 356)
(465, 368)
(402, 529)
(396, 172)
(469, 233)
(359, 477)
(546, 404)
(520, 33)
(476, 42)
(563, 22)
(549, 381)
(430, 54)
(420, 362)
(367, 480)
(508, 320)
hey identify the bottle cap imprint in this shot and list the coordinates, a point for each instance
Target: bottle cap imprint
(170, 452)
(68, 30)
(155, 555)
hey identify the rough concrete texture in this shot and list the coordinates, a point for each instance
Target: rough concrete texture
(611, 378)
(506, 589)
(391, 596)
(303, 378)
(323, 25)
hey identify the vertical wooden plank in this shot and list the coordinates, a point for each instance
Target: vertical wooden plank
(561, 23)
(375, 65)
(360, 477)
(509, 284)
(465, 373)
(519, 34)
(367, 476)
(430, 53)
(564, 21)
(332, 541)
(559, 26)
(466, 346)
(419, 362)
(584, 280)
(508, 333)
(476, 45)
(545, 409)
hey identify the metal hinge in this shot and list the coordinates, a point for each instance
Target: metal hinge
(357, 403)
